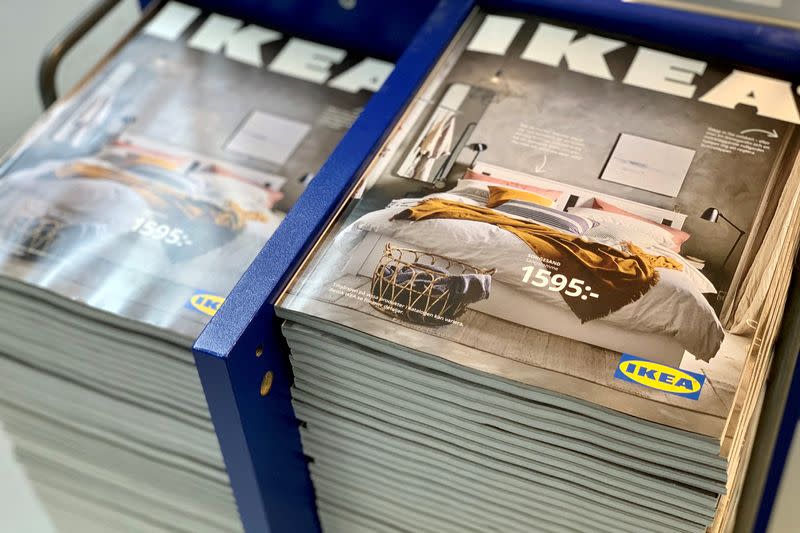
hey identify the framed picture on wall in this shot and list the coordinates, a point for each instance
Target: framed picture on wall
(648, 164)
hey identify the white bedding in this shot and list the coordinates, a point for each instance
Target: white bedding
(675, 306)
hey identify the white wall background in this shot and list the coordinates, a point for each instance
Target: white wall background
(26, 27)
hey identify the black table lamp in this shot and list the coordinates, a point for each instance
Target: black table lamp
(712, 214)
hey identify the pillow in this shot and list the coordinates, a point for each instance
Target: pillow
(678, 237)
(547, 216)
(612, 235)
(626, 227)
(501, 195)
(471, 190)
(471, 175)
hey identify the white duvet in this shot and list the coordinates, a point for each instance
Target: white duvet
(675, 306)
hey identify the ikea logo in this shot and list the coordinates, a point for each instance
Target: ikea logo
(208, 304)
(660, 377)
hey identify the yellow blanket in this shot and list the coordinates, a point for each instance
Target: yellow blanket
(616, 277)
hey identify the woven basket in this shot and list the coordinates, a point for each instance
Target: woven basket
(34, 236)
(411, 285)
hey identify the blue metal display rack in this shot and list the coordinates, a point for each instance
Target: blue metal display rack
(241, 355)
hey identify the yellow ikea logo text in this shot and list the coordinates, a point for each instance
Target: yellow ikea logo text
(208, 304)
(661, 377)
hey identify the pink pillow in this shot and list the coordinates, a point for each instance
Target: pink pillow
(547, 193)
(678, 237)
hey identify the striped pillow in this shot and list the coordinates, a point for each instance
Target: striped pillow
(547, 216)
(501, 195)
(477, 195)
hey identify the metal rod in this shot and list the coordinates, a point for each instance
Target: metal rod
(57, 49)
(723, 217)
(741, 234)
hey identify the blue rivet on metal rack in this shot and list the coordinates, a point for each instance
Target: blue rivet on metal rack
(266, 383)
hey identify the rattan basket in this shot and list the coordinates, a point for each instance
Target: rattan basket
(34, 236)
(411, 285)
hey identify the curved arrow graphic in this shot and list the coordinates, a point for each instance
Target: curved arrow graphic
(771, 134)
(540, 167)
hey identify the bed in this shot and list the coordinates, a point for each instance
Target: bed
(672, 318)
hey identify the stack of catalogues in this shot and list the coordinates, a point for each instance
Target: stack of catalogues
(503, 329)
(126, 216)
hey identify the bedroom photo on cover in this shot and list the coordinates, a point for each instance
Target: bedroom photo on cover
(564, 273)
(160, 180)
(556, 216)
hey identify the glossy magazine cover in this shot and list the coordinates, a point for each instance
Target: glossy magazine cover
(578, 213)
(148, 191)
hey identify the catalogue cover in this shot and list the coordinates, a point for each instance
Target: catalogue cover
(148, 191)
(581, 214)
